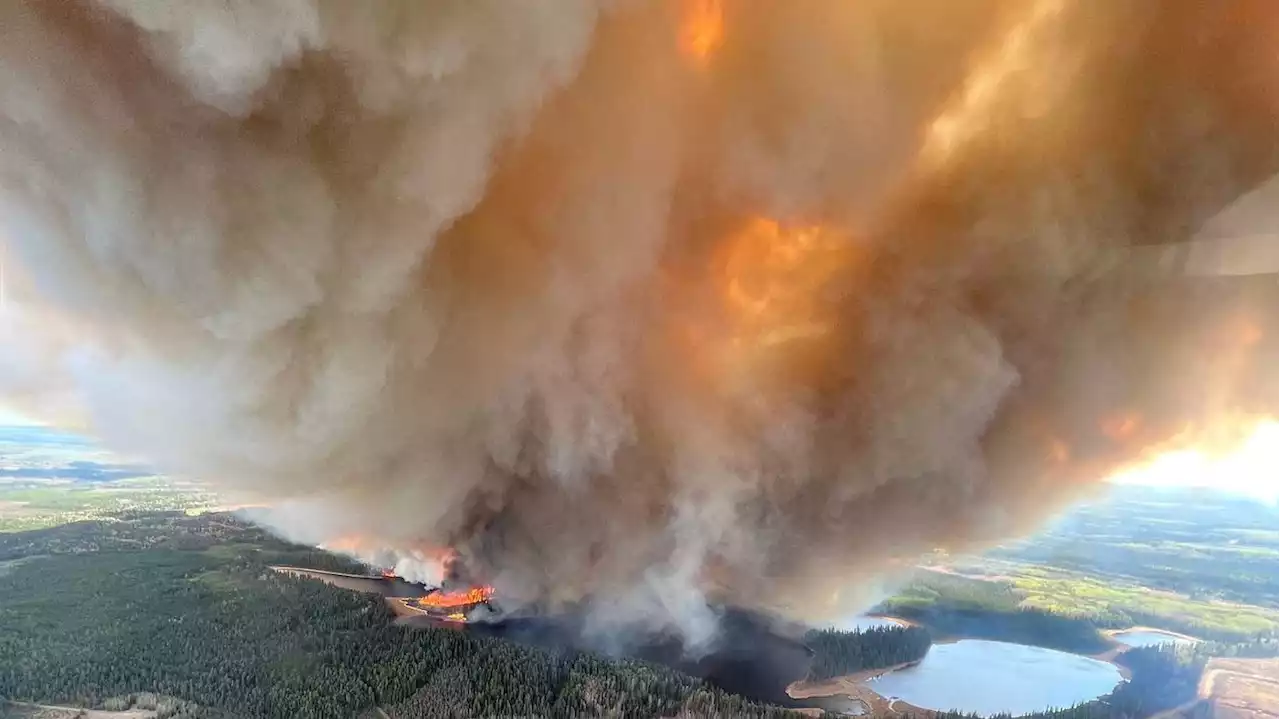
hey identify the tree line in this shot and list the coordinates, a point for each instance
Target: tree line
(836, 653)
(1019, 625)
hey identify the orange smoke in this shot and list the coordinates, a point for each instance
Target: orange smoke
(1000, 77)
(772, 279)
(1121, 426)
(702, 30)
(1247, 333)
(1059, 452)
(350, 544)
(771, 303)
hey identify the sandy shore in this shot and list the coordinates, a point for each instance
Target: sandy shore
(854, 686)
(1111, 633)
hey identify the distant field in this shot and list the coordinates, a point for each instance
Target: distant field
(1085, 596)
(1189, 560)
(27, 506)
(49, 477)
(1202, 544)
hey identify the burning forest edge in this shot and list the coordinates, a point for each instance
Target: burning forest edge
(454, 604)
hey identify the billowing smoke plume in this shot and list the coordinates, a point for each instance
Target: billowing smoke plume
(415, 565)
(653, 303)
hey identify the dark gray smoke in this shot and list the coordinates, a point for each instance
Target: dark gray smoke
(651, 302)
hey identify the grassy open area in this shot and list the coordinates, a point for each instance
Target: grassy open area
(36, 504)
(1194, 561)
(50, 477)
(1201, 544)
(1064, 612)
(1085, 596)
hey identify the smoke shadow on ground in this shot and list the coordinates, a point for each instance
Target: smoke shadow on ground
(748, 656)
(397, 587)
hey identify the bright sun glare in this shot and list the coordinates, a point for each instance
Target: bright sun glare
(14, 417)
(1252, 468)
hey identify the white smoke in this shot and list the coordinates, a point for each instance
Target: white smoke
(500, 276)
(412, 564)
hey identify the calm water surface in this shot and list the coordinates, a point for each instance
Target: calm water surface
(988, 677)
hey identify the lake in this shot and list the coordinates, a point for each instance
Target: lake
(1143, 638)
(986, 677)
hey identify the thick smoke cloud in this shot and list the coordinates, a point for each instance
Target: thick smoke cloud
(652, 304)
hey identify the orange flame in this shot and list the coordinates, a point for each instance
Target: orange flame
(702, 30)
(450, 600)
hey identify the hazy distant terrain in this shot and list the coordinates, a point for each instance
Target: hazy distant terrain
(1208, 544)
(50, 477)
(1188, 559)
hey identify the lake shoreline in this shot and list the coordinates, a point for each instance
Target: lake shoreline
(1111, 633)
(807, 689)
(855, 686)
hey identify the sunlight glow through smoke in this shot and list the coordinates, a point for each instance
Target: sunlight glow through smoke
(1252, 468)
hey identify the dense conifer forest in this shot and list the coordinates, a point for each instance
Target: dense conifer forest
(198, 619)
(954, 606)
(836, 653)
